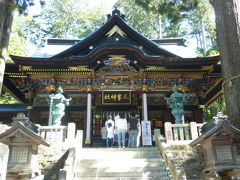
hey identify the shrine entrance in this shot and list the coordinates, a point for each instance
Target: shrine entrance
(101, 114)
(127, 113)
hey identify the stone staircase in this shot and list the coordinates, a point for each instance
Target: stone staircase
(120, 164)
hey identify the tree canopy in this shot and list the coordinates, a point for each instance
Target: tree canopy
(67, 19)
(170, 19)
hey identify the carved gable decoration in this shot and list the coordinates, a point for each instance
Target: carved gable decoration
(117, 64)
(115, 29)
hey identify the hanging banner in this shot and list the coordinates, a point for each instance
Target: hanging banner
(146, 133)
(116, 97)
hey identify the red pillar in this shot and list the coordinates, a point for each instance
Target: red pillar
(198, 115)
(34, 116)
(167, 116)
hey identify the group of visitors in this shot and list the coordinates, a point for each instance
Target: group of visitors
(126, 130)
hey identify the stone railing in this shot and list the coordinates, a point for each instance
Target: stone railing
(67, 173)
(58, 134)
(177, 173)
(53, 133)
(182, 133)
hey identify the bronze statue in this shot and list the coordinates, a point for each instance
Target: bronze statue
(57, 106)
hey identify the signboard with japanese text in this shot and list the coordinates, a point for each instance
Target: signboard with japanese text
(146, 133)
(116, 97)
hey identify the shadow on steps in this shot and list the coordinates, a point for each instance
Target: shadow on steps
(51, 173)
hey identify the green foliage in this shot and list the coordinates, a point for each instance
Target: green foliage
(6, 98)
(175, 18)
(203, 28)
(212, 110)
(151, 24)
(18, 38)
(17, 46)
(142, 21)
(68, 19)
(174, 10)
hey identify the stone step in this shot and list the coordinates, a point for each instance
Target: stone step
(147, 168)
(122, 178)
(120, 149)
(93, 171)
(144, 162)
(123, 174)
(120, 164)
(122, 154)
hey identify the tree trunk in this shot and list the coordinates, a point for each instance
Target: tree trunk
(228, 38)
(203, 34)
(6, 16)
(159, 26)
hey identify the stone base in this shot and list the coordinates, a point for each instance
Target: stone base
(19, 176)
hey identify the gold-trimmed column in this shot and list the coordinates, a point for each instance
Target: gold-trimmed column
(144, 103)
(89, 115)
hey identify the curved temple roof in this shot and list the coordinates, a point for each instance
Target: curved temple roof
(116, 37)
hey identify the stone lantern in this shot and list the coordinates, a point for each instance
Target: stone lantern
(221, 144)
(176, 101)
(23, 142)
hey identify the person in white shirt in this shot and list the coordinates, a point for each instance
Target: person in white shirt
(121, 127)
(110, 131)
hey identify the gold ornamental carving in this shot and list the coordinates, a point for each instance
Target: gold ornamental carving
(25, 68)
(144, 88)
(89, 88)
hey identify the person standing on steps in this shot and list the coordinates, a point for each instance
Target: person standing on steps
(139, 133)
(121, 127)
(133, 128)
(104, 135)
(115, 139)
(110, 131)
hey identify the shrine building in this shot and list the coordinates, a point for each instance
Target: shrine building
(113, 70)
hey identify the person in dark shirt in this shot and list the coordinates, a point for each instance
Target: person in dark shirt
(133, 128)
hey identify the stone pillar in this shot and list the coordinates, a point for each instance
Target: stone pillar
(89, 115)
(71, 132)
(168, 131)
(193, 130)
(144, 103)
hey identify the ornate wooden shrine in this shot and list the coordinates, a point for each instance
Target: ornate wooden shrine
(113, 70)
